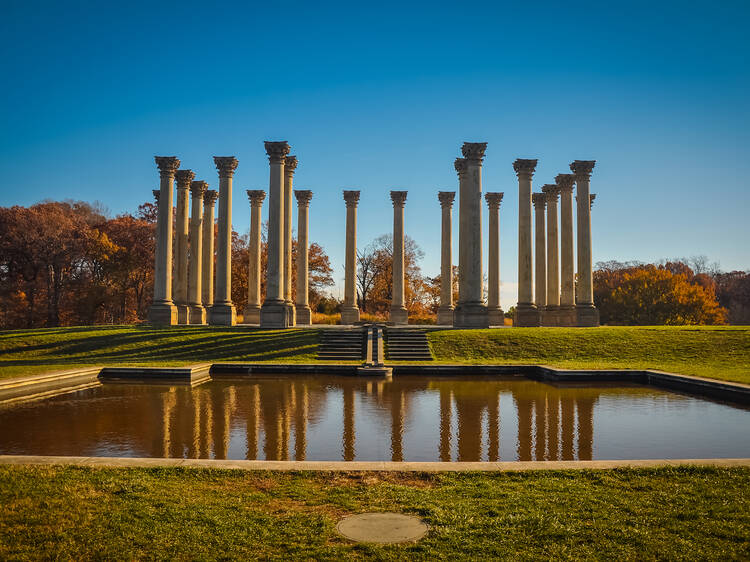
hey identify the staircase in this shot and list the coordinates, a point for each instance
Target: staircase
(342, 344)
(407, 344)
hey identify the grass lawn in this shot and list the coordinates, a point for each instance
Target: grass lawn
(718, 352)
(683, 513)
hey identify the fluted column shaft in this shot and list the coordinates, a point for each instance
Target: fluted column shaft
(207, 285)
(553, 253)
(463, 228)
(587, 314)
(183, 177)
(162, 310)
(398, 311)
(302, 307)
(252, 310)
(495, 313)
(290, 165)
(196, 312)
(445, 312)
(350, 310)
(540, 245)
(526, 311)
(223, 311)
(567, 252)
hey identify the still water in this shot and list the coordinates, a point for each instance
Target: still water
(406, 419)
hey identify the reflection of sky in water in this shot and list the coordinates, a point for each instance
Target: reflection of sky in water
(409, 418)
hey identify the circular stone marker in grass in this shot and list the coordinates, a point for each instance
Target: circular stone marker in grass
(383, 528)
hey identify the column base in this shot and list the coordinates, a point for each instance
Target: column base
(527, 315)
(183, 313)
(588, 315)
(303, 315)
(470, 315)
(291, 313)
(495, 316)
(549, 316)
(566, 316)
(252, 314)
(274, 314)
(163, 314)
(445, 316)
(196, 314)
(398, 315)
(349, 315)
(222, 314)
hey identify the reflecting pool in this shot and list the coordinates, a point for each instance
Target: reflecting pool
(409, 418)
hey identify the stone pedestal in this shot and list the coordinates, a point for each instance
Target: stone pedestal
(495, 315)
(350, 310)
(252, 309)
(567, 313)
(222, 312)
(196, 311)
(274, 313)
(398, 313)
(549, 315)
(163, 310)
(526, 311)
(290, 165)
(302, 306)
(445, 312)
(586, 313)
(207, 284)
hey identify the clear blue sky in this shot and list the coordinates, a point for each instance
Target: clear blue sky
(378, 96)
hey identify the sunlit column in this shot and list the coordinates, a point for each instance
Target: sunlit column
(196, 311)
(527, 313)
(180, 288)
(445, 312)
(567, 313)
(163, 310)
(549, 315)
(398, 313)
(540, 251)
(302, 306)
(587, 314)
(494, 312)
(252, 310)
(350, 310)
(290, 165)
(274, 313)
(207, 286)
(222, 311)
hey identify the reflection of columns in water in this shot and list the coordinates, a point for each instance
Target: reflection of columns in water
(300, 425)
(469, 429)
(445, 424)
(585, 410)
(195, 445)
(168, 401)
(553, 418)
(493, 451)
(540, 423)
(524, 406)
(397, 425)
(349, 429)
(568, 428)
(252, 424)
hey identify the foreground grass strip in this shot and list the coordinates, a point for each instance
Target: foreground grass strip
(73, 512)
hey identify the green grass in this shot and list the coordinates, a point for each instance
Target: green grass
(715, 352)
(686, 513)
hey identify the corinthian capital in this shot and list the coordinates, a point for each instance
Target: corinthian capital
(226, 165)
(551, 191)
(582, 168)
(524, 167)
(398, 198)
(167, 165)
(277, 151)
(256, 197)
(460, 165)
(304, 196)
(209, 198)
(494, 199)
(183, 178)
(539, 200)
(351, 198)
(565, 182)
(474, 151)
(198, 188)
(157, 194)
(290, 165)
(446, 198)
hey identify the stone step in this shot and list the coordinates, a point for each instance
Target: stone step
(342, 345)
(407, 344)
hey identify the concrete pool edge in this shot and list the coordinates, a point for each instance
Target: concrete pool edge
(361, 466)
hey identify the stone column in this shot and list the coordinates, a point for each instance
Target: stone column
(207, 285)
(494, 312)
(527, 313)
(587, 314)
(163, 311)
(550, 313)
(350, 310)
(463, 202)
(471, 311)
(196, 311)
(180, 281)
(445, 312)
(398, 313)
(290, 165)
(223, 312)
(274, 312)
(540, 245)
(252, 310)
(303, 312)
(567, 313)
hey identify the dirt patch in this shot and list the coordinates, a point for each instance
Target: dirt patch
(411, 479)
